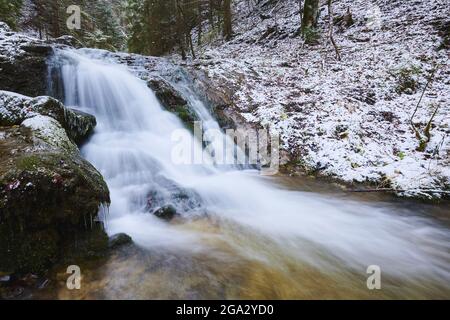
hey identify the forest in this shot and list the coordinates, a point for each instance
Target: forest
(153, 27)
(224, 150)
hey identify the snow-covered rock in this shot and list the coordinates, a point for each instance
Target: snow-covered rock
(48, 192)
(50, 132)
(23, 63)
(15, 108)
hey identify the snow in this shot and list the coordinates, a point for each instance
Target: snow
(49, 130)
(11, 43)
(346, 118)
(14, 106)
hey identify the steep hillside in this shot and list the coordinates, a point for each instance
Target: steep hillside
(349, 119)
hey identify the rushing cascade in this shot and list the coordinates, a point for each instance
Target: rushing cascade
(132, 147)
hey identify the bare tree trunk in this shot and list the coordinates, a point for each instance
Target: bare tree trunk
(227, 20)
(191, 45)
(180, 29)
(199, 24)
(310, 14)
(211, 13)
(300, 10)
(56, 26)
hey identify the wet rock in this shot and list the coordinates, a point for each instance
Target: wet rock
(166, 213)
(40, 49)
(26, 71)
(49, 196)
(172, 100)
(220, 100)
(119, 240)
(168, 193)
(166, 93)
(67, 40)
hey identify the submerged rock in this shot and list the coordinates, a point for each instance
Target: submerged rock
(49, 195)
(119, 240)
(168, 195)
(166, 213)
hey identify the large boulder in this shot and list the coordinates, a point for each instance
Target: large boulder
(15, 108)
(49, 195)
(23, 63)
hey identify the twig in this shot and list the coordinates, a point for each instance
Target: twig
(428, 127)
(300, 4)
(400, 190)
(430, 79)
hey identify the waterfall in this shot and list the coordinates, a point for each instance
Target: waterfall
(132, 147)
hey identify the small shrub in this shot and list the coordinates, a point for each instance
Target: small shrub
(407, 79)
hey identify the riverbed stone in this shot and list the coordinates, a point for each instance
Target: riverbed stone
(119, 240)
(166, 213)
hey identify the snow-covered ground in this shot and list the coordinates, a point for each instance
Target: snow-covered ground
(11, 42)
(347, 119)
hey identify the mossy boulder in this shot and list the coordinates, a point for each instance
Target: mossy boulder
(49, 197)
(173, 101)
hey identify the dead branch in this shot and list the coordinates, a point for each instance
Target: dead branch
(331, 26)
(426, 136)
(430, 79)
(400, 190)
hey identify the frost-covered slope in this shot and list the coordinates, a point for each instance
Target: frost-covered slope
(348, 119)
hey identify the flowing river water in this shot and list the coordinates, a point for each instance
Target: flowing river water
(241, 235)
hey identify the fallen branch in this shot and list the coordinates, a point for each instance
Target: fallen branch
(330, 14)
(426, 136)
(430, 79)
(401, 190)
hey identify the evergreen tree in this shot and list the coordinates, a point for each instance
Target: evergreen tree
(10, 12)
(227, 22)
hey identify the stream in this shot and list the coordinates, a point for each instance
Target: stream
(240, 235)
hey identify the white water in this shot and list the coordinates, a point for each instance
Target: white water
(132, 149)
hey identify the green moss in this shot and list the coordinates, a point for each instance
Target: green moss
(185, 116)
(311, 35)
(28, 163)
(27, 251)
